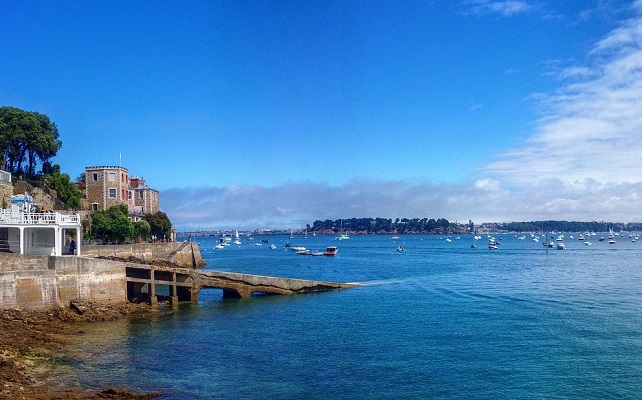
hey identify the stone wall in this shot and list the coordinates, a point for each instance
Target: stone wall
(6, 191)
(183, 254)
(43, 197)
(43, 282)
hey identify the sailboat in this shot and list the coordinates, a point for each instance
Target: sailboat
(611, 236)
(291, 234)
(237, 240)
(342, 235)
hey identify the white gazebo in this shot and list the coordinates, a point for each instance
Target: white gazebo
(41, 233)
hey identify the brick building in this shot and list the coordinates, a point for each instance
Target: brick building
(107, 186)
(143, 199)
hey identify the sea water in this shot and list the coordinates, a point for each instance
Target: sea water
(439, 320)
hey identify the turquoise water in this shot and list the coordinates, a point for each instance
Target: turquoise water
(441, 320)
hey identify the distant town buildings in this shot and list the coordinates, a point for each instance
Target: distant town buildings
(107, 186)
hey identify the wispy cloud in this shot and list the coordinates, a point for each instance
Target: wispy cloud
(504, 8)
(592, 126)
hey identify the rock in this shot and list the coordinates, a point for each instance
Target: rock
(78, 307)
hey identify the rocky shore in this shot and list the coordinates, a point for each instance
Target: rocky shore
(32, 341)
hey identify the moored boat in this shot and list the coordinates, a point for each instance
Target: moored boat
(331, 250)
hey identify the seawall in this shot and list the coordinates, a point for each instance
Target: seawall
(36, 282)
(46, 282)
(182, 254)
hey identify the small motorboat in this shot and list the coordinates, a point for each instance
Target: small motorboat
(400, 248)
(331, 250)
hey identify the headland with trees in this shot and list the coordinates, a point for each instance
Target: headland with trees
(385, 226)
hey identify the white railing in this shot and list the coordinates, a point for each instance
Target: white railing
(9, 217)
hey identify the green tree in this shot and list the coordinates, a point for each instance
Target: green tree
(161, 226)
(142, 230)
(113, 223)
(67, 190)
(44, 144)
(26, 136)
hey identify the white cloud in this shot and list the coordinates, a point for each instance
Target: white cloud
(505, 8)
(488, 184)
(592, 126)
(294, 205)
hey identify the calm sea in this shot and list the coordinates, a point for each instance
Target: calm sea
(440, 320)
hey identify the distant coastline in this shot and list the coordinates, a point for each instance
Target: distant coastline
(425, 226)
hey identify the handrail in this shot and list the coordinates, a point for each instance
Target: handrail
(38, 218)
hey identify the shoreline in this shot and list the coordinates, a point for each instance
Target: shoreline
(33, 342)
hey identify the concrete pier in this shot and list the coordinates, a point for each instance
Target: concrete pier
(236, 285)
(45, 282)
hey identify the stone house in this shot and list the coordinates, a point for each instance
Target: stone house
(23, 230)
(107, 186)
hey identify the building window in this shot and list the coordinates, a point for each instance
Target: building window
(94, 206)
(95, 177)
(140, 194)
(111, 177)
(112, 193)
(129, 195)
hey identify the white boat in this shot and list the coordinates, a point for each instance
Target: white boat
(400, 248)
(331, 250)
(237, 240)
(611, 235)
(561, 246)
(272, 246)
(219, 246)
(310, 253)
(342, 235)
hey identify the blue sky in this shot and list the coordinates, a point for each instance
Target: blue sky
(258, 114)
